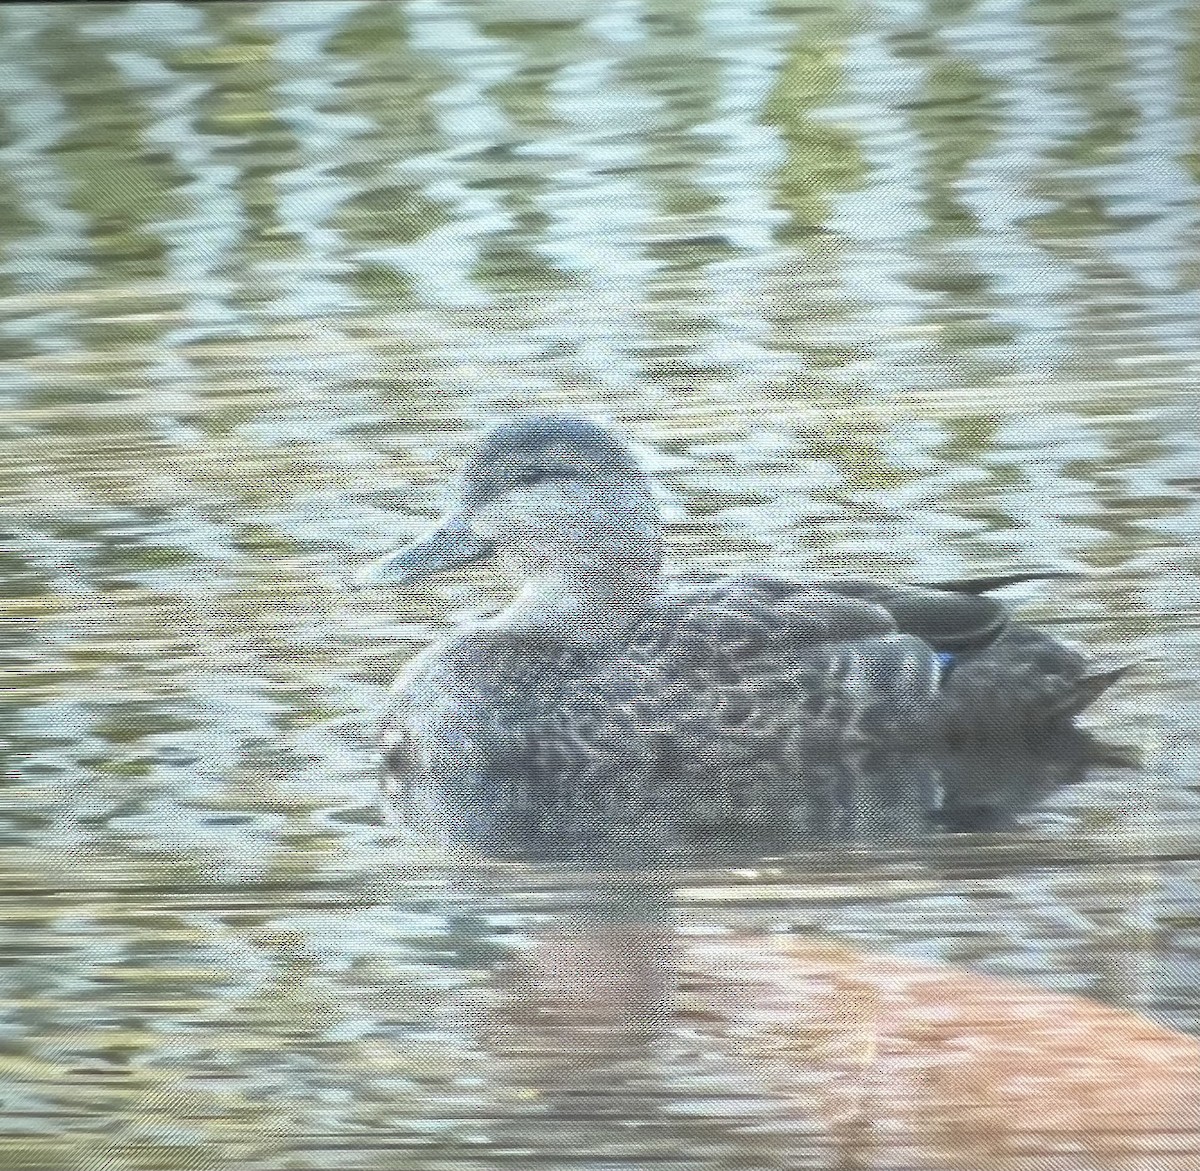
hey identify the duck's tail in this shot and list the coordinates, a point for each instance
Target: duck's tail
(1075, 687)
(1026, 679)
(1081, 693)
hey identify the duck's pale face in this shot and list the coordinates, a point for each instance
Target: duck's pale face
(565, 525)
(547, 503)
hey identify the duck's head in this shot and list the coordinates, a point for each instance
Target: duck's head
(559, 501)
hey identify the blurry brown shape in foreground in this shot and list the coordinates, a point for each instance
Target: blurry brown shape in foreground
(867, 1061)
(936, 1067)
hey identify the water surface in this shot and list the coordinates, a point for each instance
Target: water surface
(908, 289)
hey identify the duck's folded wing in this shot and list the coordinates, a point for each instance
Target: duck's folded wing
(738, 621)
(772, 719)
(957, 623)
(739, 675)
(942, 616)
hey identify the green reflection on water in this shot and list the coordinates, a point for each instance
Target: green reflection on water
(229, 377)
(822, 155)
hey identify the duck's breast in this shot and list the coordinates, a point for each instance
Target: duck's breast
(482, 704)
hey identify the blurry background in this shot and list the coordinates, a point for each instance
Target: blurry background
(909, 289)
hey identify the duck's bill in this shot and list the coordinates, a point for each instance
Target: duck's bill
(451, 545)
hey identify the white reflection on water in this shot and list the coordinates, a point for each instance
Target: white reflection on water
(601, 211)
(311, 191)
(202, 243)
(1002, 187)
(885, 218)
(442, 262)
(1148, 184)
(741, 158)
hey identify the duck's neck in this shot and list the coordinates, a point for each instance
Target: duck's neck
(581, 606)
(585, 580)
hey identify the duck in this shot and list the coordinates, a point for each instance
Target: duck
(602, 667)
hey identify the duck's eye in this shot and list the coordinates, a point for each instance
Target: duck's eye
(529, 476)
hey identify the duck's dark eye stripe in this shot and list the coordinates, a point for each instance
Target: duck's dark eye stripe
(536, 475)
